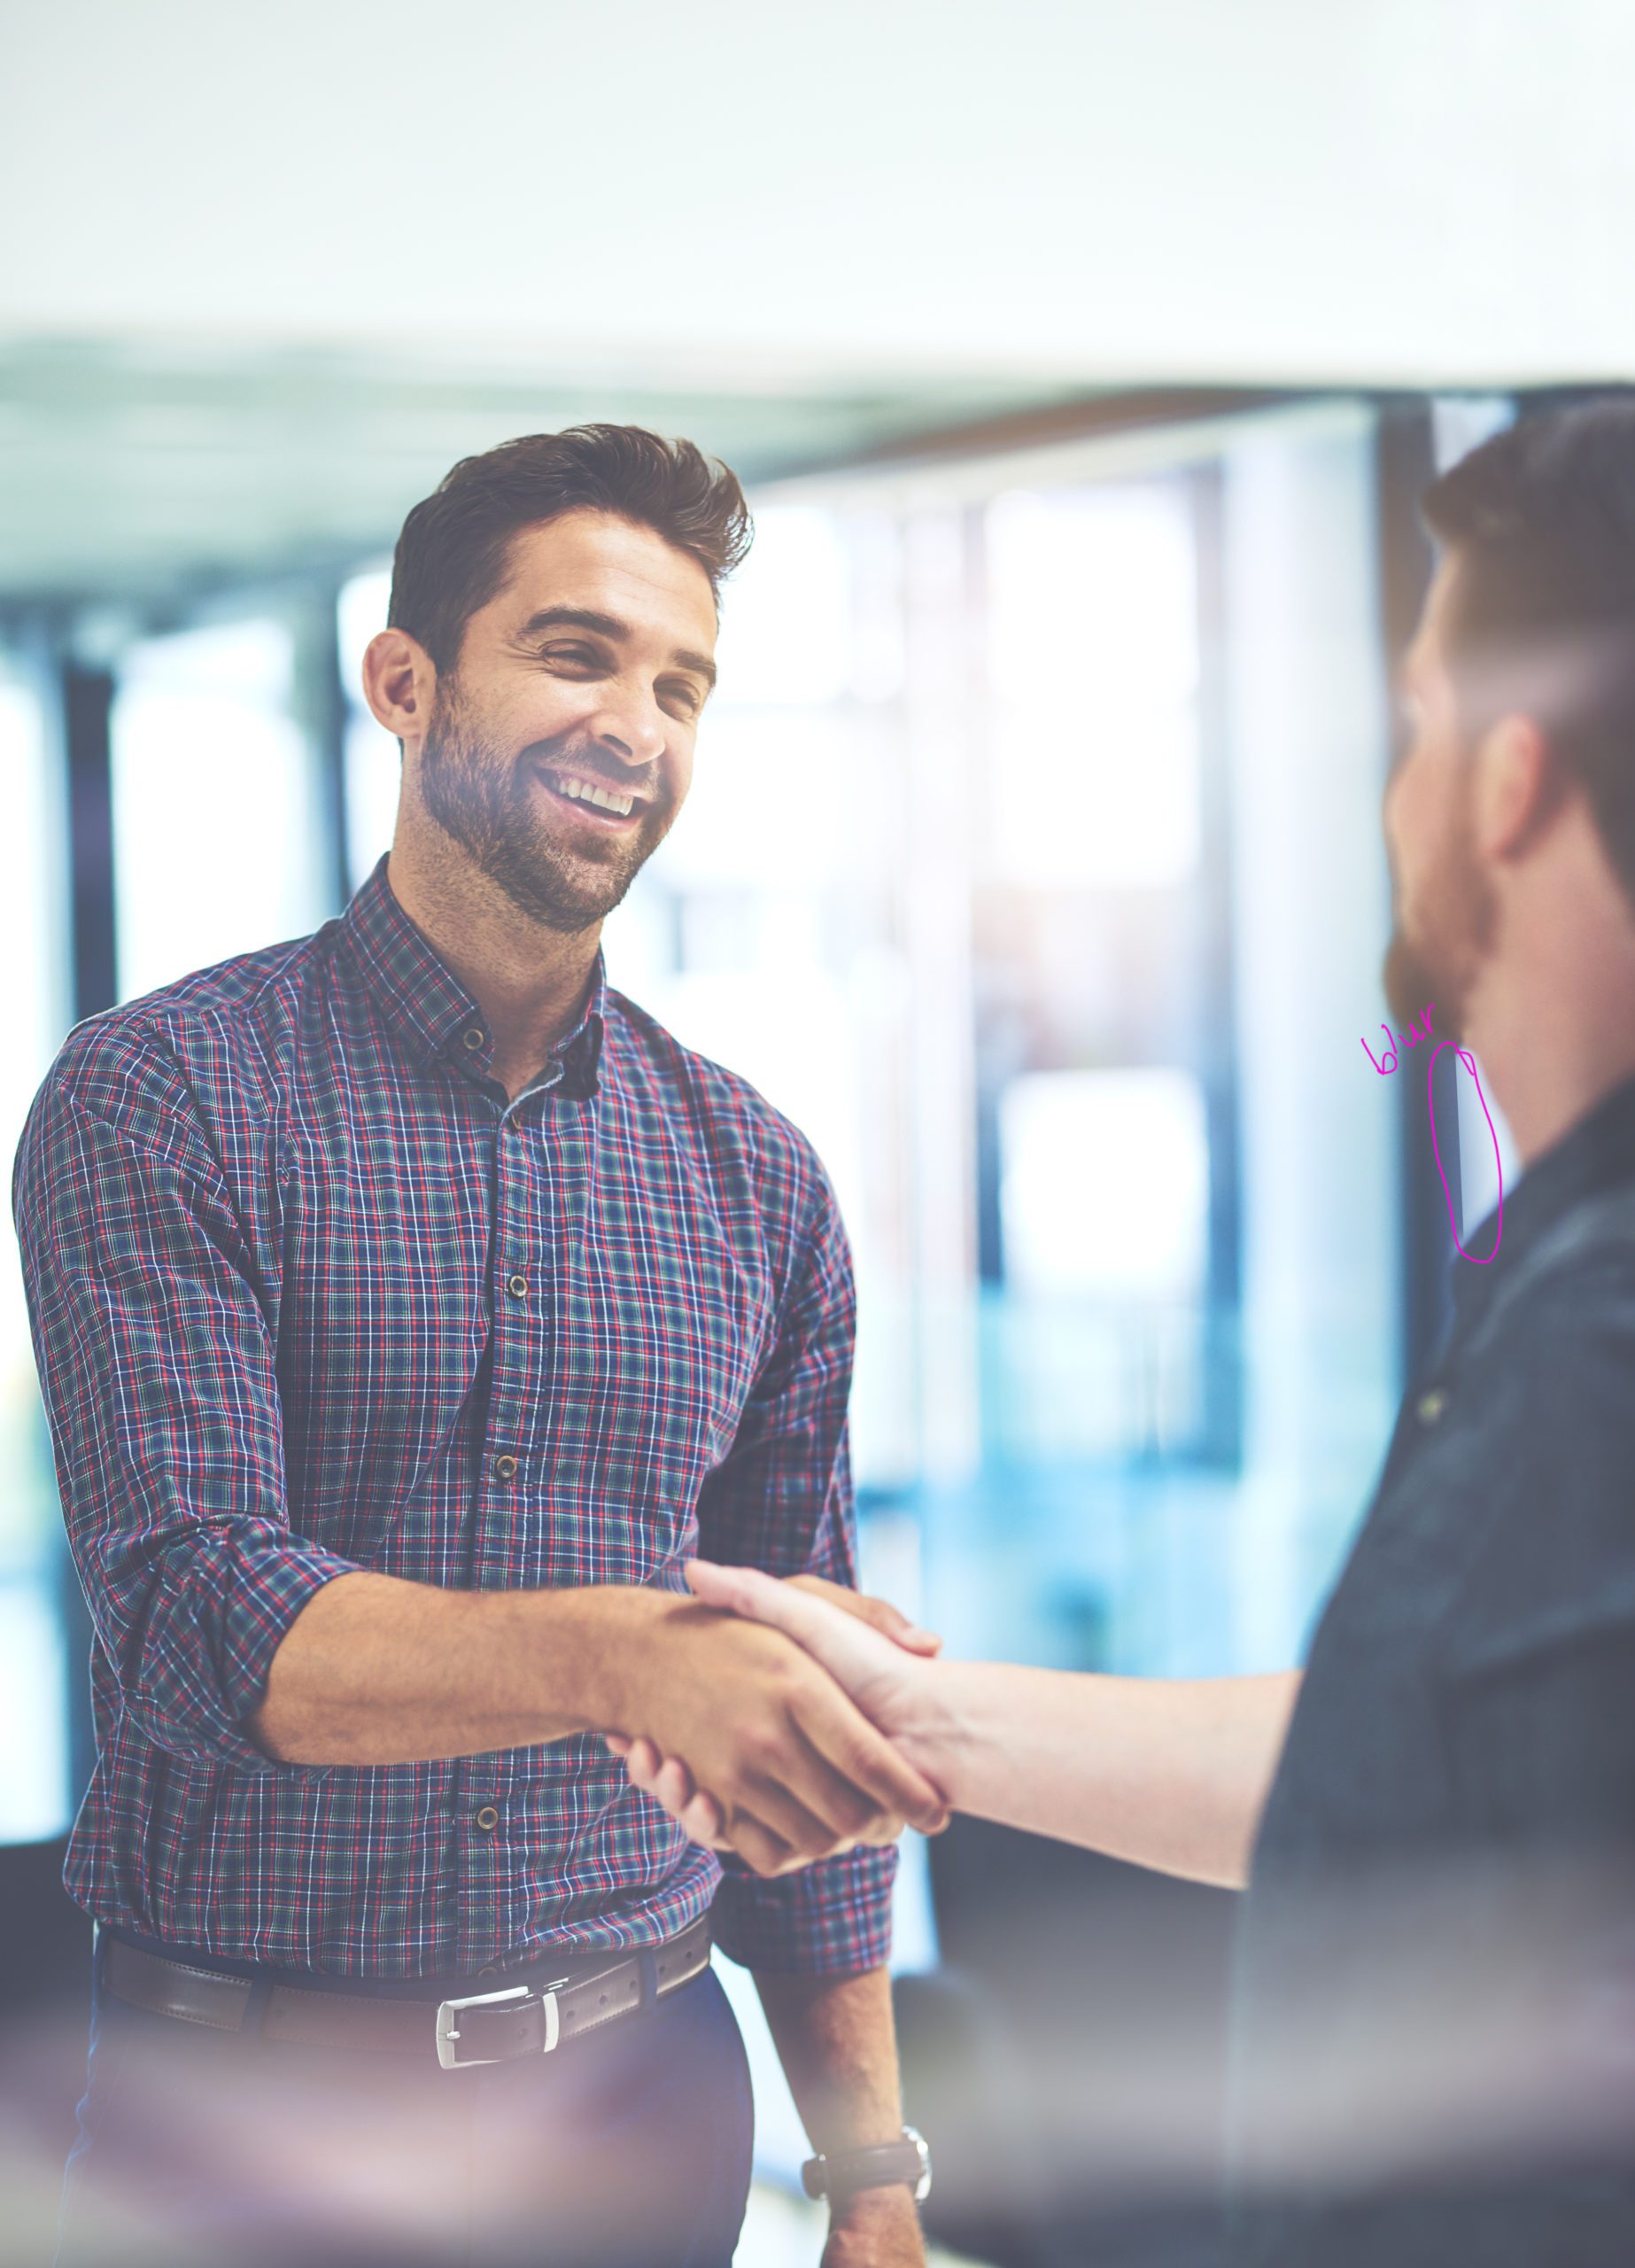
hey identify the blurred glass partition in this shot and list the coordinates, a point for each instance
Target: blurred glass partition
(35, 1794)
(765, 930)
(220, 824)
(1308, 734)
(1103, 1210)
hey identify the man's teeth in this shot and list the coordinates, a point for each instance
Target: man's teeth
(581, 792)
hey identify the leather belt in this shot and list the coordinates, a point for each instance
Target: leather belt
(491, 2027)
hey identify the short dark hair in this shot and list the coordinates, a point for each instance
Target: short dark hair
(450, 557)
(1539, 526)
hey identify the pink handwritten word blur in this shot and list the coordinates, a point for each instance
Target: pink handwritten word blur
(1486, 1259)
(1411, 1038)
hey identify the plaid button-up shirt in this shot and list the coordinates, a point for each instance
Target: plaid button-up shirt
(310, 1295)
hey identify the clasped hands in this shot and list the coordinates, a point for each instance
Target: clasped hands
(809, 1730)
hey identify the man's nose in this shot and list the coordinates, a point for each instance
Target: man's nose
(631, 730)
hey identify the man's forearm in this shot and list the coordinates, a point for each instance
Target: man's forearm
(1167, 1773)
(376, 1670)
(837, 2042)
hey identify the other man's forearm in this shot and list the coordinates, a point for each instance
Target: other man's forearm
(377, 1671)
(1167, 1773)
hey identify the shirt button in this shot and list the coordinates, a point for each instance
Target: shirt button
(505, 1468)
(1431, 1406)
(488, 1819)
(473, 1037)
(517, 1286)
(488, 1969)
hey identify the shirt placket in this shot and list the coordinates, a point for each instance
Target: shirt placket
(521, 1265)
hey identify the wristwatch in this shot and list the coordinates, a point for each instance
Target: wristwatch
(842, 2174)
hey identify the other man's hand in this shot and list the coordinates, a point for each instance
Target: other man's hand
(879, 1614)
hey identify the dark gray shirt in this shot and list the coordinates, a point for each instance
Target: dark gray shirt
(1435, 2047)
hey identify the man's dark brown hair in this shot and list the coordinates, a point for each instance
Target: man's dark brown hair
(451, 554)
(1539, 527)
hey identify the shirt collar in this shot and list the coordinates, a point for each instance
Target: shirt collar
(1595, 1154)
(430, 1009)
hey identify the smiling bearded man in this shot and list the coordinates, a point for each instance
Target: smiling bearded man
(409, 1306)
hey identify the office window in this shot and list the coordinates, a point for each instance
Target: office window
(374, 768)
(34, 1795)
(1091, 982)
(763, 932)
(220, 838)
(1092, 642)
(1104, 1199)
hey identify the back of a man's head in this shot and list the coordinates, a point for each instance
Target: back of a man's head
(1538, 528)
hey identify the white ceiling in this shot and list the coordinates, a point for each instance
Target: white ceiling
(255, 230)
(146, 470)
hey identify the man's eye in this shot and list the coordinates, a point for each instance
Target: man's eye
(689, 698)
(575, 656)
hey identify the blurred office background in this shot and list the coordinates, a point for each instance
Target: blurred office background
(1085, 365)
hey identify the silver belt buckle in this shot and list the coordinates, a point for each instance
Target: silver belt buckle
(449, 2013)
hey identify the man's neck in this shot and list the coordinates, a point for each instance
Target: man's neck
(1555, 1033)
(530, 982)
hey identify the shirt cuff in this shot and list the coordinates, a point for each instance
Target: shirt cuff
(832, 1919)
(210, 1646)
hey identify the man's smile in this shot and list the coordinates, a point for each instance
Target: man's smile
(594, 803)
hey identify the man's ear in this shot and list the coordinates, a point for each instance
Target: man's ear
(1517, 785)
(399, 683)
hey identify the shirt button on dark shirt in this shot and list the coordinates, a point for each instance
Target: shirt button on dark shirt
(517, 1286)
(473, 1037)
(505, 1468)
(1430, 1406)
(488, 1819)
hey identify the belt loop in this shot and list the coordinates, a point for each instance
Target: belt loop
(255, 2007)
(648, 1969)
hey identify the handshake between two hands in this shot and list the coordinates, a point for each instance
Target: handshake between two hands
(798, 1720)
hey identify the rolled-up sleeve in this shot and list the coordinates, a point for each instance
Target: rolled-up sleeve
(782, 1500)
(156, 1360)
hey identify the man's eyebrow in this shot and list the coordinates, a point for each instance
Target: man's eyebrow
(608, 626)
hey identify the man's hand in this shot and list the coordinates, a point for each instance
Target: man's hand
(876, 2228)
(879, 1657)
(794, 1770)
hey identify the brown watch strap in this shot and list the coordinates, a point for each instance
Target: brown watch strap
(881, 2165)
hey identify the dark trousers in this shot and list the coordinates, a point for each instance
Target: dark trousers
(625, 2148)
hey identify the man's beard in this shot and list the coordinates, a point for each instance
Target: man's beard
(1442, 958)
(494, 811)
